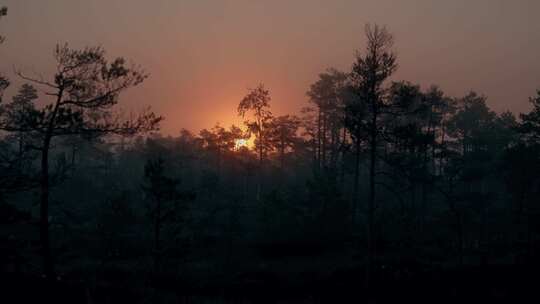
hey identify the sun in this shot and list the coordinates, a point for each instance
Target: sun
(241, 143)
(244, 143)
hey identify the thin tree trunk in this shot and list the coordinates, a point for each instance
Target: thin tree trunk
(44, 212)
(324, 139)
(423, 207)
(356, 181)
(73, 155)
(219, 161)
(20, 154)
(261, 147)
(371, 201)
(157, 236)
(259, 182)
(459, 225)
(443, 134)
(319, 140)
(48, 266)
(342, 148)
(282, 157)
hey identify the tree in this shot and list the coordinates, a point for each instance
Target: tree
(257, 101)
(521, 166)
(16, 168)
(4, 82)
(470, 124)
(369, 73)
(283, 135)
(11, 177)
(355, 115)
(13, 174)
(471, 129)
(165, 198)
(84, 90)
(17, 113)
(327, 95)
(3, 12)
(409, 137)
(220, 141)
(529, 128)
(474, 144)
(308, 122)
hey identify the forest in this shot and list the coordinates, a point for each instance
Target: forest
(379, 190)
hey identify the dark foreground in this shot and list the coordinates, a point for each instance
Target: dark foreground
(393, 284)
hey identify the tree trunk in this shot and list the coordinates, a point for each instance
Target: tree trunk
(319, 140)
(441, 161)
(157, 236)
(20, 153)
(261, 147)
(356, 181)
(48, 267)
(371, 200)
(324, 143)
(342, 148)
(73, 153)
(458, 225)
(282, 157)
(259, 182)
(218, 161)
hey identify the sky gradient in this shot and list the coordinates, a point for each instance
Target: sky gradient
(203, 55)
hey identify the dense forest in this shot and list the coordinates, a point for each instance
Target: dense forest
(378, 190)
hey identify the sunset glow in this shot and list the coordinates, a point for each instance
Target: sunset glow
(204, 54)
(248, 143)
(241, 143)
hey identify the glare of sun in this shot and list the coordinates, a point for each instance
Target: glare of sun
(241, 143)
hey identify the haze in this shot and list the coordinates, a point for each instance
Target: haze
(203, 55)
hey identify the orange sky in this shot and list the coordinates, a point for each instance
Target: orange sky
(203, 54)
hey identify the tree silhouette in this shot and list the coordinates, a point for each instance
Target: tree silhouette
(368, 75)
(3, 12)
(530, 125)
(220, 141)
(327, 95)
(282, 135)
(521, 166)
(4, 82)
(257, 101)
(165, 198)
(17, 113)
(85, 88)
